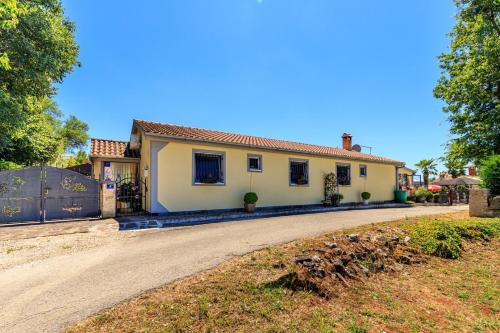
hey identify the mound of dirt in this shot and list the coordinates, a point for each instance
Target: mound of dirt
(348, 259)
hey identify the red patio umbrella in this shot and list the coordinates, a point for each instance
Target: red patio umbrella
(434, 188)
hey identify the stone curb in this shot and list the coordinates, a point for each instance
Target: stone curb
(187, 220)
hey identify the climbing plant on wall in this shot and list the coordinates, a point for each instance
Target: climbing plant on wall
(330, 186)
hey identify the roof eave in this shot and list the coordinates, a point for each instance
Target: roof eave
(114, 157)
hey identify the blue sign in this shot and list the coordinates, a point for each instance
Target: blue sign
(110, 186)
(107, 164)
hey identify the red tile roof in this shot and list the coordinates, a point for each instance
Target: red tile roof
(198, 134)
(111, 149)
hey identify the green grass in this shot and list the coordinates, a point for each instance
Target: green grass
(250, 293)
(443, 238)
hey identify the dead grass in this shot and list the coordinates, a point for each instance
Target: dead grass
(244, 295)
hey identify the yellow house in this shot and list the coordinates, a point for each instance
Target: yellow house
(192, 169)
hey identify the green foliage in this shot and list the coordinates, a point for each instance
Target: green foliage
(490, 174)
(422, 192)
(365, 195)
(337, 198)
(469, 84)
(250, 198)
(37, 50)
(74, 132)
(428, 167)
(444, 238)
(454, 160)
(7, 165)
(332, 197)
(330, 185)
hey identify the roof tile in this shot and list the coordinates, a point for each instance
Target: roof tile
(198, 134)
(111, 149)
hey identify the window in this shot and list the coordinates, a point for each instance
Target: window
(208, 167)
(254, 163)
(362, 170)
(344, 174)
(299, 172)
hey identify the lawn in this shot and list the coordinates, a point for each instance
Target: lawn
(244, 294)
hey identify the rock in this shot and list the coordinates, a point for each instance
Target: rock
(378, 266)
(407, 239)
(302, 258)
(381, 240)
(338, 265)
(316, 258)
(404, 260)
(341, 278)
(337, 251)
(279, 265)
(353, 237)
(395, 239)
(331, 245)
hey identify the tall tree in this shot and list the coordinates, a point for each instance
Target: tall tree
(470, 79)
(454, 161)
(74, 133)
(428, 167)
(37, 50)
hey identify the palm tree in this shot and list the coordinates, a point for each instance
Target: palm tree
(428, 167)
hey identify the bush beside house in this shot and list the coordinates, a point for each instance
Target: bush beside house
(485, 201)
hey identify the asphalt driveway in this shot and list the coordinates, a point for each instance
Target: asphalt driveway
(49, 294)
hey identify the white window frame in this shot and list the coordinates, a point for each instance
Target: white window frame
(290, 160)
(259, 157)
(366, 170)
(222, 154)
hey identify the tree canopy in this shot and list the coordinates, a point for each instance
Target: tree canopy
(428, 167)
(470, 80)
(37, 50)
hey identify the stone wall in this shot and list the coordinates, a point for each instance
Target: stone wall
(482, 205)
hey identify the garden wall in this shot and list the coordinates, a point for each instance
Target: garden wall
(482, 205)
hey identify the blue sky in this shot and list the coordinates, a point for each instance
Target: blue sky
(301, 70)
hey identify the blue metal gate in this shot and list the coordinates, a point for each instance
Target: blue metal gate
(46, 193)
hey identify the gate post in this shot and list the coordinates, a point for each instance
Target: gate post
(108, 199)
(43, 191)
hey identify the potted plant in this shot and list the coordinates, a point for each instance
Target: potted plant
(250, 199)
(365, 196)
(326, 202)
(336, 198)
(429, 196)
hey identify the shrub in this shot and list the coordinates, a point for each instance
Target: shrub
(336, 198)
(429, 196)
(421, 192)
(444, 238)
(490, 174)
(250, 198)
(7, 165)
(366, 195)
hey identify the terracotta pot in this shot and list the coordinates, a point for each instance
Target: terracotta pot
(249, 208)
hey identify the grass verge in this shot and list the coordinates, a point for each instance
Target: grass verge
(244, 294)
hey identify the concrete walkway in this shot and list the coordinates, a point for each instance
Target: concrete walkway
(50, 294)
